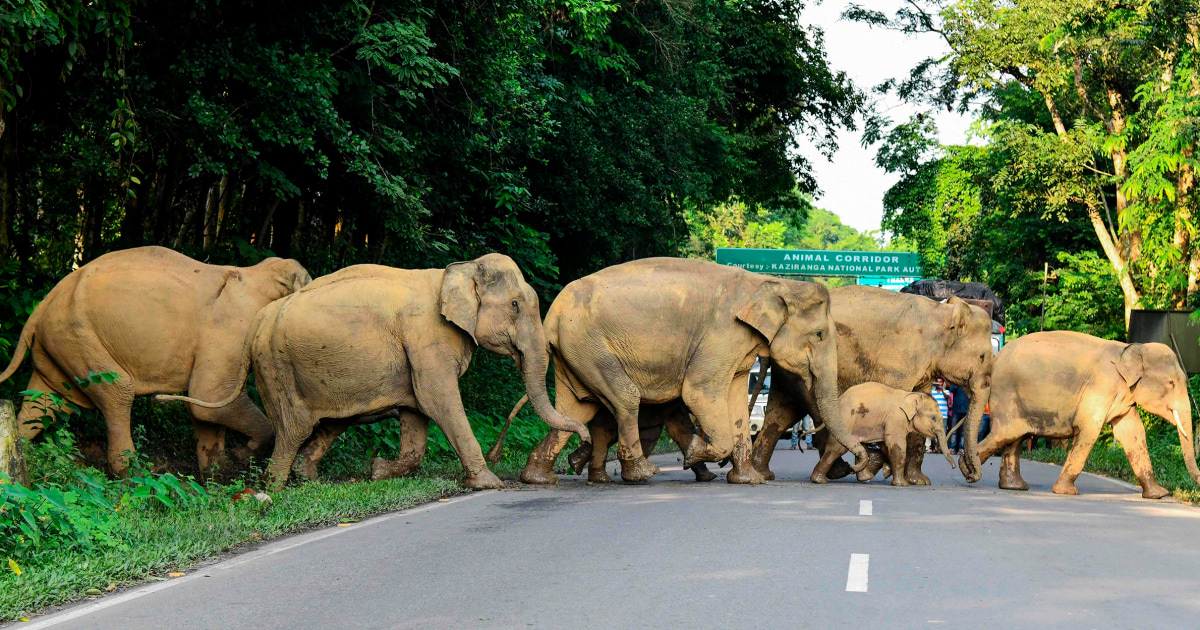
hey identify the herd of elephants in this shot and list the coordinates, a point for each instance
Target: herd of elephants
(637, 347)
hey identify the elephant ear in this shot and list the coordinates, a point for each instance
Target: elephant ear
(959, 318)
(767, 311)
(1130, 363)
(459, 299)
(910, 405)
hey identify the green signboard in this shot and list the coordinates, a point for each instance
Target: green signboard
(821, 262)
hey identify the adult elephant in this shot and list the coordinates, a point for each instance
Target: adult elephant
(164, 323)
(655, 330)
(369, 342)
(902, 341)
(1069, 385)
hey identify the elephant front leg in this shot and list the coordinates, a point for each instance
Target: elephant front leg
(634, 465)
(414, 436)
(1131, 434)
(898, 454)
(915, 456)
(832, 452)
(604, 434)
(743, 465)
(439, 399)
(780, 415)
(318, 444)
(210, 445)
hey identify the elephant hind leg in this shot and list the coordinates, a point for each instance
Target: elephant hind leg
(210, 444)
(604, 434)
(1131, 434)
(29, 421)
(414, 435)
(1010, 466)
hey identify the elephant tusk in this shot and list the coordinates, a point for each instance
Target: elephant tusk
(1177, 422)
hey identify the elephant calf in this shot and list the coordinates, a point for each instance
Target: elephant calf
(369, 342)
(1065, 384)
(164, 323)
(878, 413)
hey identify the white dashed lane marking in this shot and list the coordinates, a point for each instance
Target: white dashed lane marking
(856, 579)
(864, 508)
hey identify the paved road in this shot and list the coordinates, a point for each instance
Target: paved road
(676, 554)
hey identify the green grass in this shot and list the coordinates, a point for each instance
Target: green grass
(1165, 456)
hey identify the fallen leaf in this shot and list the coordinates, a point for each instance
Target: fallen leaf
(254, 534)
(112, 586)
(24, 618)
(92, 591)
(345, 524)
(175, 574)
(14, 567)
(243, 494)
(443, 500)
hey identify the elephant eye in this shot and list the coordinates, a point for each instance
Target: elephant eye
(516, 306)
(820, 335)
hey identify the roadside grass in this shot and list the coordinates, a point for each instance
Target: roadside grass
(1109, 460)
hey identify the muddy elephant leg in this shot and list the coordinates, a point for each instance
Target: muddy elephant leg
(781, 414)
(414, 436)
(635, 467)
(648, 436)
(1081, 447)
(1010, 464)
(838, 469)
(876, 460)
(210, 444)
(743, 465)
(898, 453)
(604, 435)
(831, 452)
(1131, 434)
(316, 446)
(915, 456)
(539, 468)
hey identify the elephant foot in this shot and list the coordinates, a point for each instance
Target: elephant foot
(874, 464)
(916, 478)
(386, 469)
(637, 469)
(578, 459)
(900, 481)
(1010, 480)
(886, 470)
(484, 480)
(538, 476)
(839, 469)
(1062, 487)
(746, 475)
(598, 475)
(1154, 491)
(703, 473)
(818, 478)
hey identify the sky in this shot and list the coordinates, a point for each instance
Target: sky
(851, 185)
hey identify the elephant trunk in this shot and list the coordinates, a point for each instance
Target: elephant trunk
(534, 361)
(825, 392)
(944, 444)
(980, 387)
(1184, 424)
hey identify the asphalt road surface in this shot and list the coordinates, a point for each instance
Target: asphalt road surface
(677, 554)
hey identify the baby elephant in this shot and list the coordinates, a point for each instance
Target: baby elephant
(878, 413)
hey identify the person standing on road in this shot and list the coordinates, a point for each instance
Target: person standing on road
(959, 407)
(939, 396)
(805, 425)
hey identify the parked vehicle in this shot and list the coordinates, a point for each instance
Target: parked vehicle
(758, 412)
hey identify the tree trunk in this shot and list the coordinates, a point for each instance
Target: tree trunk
(12, 461)
(216, 195)
(263, 236)
(296, 250)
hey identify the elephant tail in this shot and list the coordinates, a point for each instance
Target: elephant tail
(23, 344)
(247, 347)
